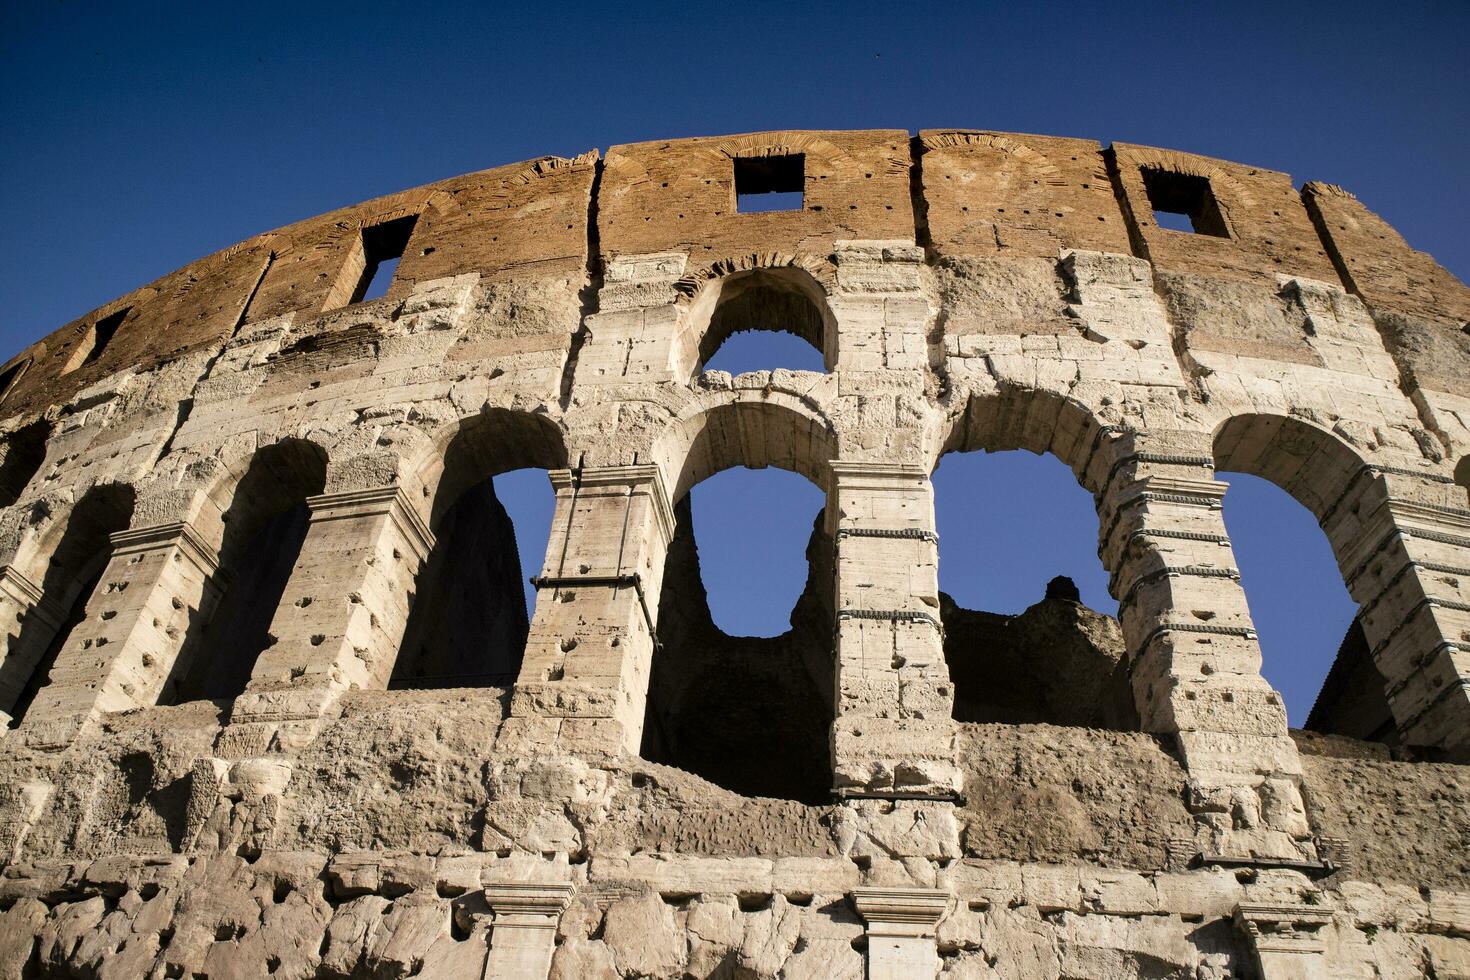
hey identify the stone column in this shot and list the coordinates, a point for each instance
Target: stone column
(901, 931)
(523, 937)
(1404, 549)
(1193, 655)
(160, 583)
(31, 620)
(341, 618)
(893, 729)
(584, 679)
(1284, 940)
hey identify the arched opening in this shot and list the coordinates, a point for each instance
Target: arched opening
(1462, 477)
(25, 451)
(76, 566)
(1285, 476)
(1030, 631)
(758, 320)
(265, 526)
(491, 519)
(750, 713)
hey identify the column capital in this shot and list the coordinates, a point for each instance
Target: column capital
(528, 898)
(179, 534)
(874, 475)
(389, 500)
(1283, 928)
(644, 475)
(911, 912)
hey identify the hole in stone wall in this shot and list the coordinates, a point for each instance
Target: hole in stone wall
(774, 183)
(752, 350)
(741, 688)
(72, 575)
(11, 375)
(371, 265)
(1184, 202)
(1304, 617)
(96, 339)
(470, 618)
(265, 526)
(25, 451)
(1030, 629)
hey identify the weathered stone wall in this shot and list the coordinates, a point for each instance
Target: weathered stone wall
(968, 291)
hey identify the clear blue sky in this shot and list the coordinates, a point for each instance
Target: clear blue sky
(138, 137)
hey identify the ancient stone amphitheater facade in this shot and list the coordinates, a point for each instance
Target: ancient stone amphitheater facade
(271, 717)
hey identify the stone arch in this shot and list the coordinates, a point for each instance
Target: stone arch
(261, 501)
(1039, 422)
(468, 623)
(24, 452)
(1003, 666)
(1462, 475)
(746, 428)
(1325, 475)
(69, 557)
(1308, 462)
(756, 292)
(751, 714)
(477, 447)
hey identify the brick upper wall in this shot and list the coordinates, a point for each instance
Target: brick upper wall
(977, 193)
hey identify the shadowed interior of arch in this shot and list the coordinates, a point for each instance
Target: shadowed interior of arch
(71, 575)
(1030, 629)
(741, 689)
(25, 451)
(472, 611)
(265, 525)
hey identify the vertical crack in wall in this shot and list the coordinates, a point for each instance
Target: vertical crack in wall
(590, 289)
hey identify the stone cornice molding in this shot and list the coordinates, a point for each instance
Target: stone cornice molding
(390, 500)
(911, 912)
(528, 898)
(864, 475)
(179, 534)
(1274, 928)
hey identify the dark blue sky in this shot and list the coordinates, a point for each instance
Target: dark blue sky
(138, 137)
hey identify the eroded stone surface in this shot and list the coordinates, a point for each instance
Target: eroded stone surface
(264, 493)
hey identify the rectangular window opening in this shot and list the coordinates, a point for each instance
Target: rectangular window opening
(382, 246)
(103, 332)
(96, 339)
(1184, 202)
(11, 375)
(770, 183)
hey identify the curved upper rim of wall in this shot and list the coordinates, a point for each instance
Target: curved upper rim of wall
(963, 194)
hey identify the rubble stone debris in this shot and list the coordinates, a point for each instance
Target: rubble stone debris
(275, 706)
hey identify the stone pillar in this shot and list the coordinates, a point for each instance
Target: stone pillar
(31, 620)
(160, 583)
(1404, 549)
(341, 618)
(902, 923)
(893, 729)
(631, 337)
(1284, 940)
(584, 679)
(523, 937)
(1194, 659)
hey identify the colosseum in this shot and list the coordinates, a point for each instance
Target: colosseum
(276, 709)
